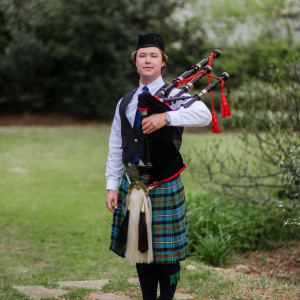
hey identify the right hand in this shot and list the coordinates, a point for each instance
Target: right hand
(111, 200)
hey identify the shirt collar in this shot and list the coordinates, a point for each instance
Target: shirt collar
(154, 86)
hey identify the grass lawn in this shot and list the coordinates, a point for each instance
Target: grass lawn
(54, 224)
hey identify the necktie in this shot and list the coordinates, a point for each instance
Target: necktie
(137, 122)
(145, 89)
(138, 118)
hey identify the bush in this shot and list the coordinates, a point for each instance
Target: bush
(289, 165)
(213, 249)
(264, 168)
(217, 225)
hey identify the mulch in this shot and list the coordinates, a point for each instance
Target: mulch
(283, 263)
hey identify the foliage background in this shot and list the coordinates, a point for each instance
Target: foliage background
(74, 56)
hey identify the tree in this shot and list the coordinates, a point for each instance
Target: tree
(73, 56)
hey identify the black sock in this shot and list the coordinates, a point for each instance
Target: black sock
(148, 280)
(166, 274)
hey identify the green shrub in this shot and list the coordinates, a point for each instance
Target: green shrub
(213, 249)
(289, 164)
(219, 224)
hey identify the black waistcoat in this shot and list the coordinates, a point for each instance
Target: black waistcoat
(132, 143)
(164, 143)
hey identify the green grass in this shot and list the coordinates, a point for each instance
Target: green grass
(54, 224)
(53, 214)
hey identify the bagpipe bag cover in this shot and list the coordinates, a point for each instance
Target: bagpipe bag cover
(165, 157)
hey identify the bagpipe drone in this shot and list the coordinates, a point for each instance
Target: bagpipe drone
(159, 151)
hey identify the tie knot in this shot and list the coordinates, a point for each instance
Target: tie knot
(145, 89)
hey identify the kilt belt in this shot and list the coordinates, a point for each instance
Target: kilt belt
(169, 219)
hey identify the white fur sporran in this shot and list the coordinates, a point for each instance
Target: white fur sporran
(138, 201)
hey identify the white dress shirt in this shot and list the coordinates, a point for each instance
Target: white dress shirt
(195, 115)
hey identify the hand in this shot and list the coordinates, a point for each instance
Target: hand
(111, 200)
(153, 122)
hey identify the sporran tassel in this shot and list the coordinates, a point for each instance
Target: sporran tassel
(122, 236)
(143, 235)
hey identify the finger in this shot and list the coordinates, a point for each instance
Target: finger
(116, 204)
(148, 130)
(113, 205)
(146, 124)
(144, 121)
(109, 206)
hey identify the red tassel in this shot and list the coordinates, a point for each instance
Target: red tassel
(210, 58)
(215, 124)
(225, 111)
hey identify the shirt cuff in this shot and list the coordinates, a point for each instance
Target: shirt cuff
(112, 185)
(175, 118)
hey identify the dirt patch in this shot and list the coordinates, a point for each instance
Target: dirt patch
(283, 263)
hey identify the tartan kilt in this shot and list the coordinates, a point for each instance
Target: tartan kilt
(169, 220)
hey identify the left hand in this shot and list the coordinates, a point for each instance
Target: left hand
(153, 122)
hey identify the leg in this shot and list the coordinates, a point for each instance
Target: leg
(167, 279)
(148, 280)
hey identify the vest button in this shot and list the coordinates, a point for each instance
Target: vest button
(136, 140)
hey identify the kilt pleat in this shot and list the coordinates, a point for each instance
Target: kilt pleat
(169, 220)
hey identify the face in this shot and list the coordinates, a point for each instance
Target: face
(149, 63)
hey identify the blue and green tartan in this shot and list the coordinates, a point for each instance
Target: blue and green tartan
(169, 220)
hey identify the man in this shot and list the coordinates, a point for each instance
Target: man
(169, 224)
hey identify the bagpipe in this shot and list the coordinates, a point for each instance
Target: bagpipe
(161, 155)
(191, 77)
(165, 161)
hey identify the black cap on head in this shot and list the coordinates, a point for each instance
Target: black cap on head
(150, 40)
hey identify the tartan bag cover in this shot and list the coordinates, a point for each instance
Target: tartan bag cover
(169, 220)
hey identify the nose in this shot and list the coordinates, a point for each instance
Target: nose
(147, 59)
